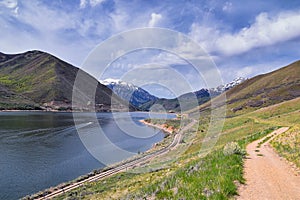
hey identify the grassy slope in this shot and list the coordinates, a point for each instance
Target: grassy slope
(19, 79)
(261, 91)
(288, 145)
(25, 73)
(31, 75)
(35, 78)
(193, 176)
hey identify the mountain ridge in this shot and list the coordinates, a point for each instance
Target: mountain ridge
(261, 91)
(143, 100)
(135, 95)
(38, 80)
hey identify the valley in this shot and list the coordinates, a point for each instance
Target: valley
(188, 171)
(152, 100)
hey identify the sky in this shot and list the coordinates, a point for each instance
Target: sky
(243, 38)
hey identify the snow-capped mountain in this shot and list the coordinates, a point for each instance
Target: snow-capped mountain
(129, 92)
(222, 88)
(142, 99)
(233, 83)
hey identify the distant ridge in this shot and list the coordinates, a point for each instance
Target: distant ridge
(143, 100)
(135, 95)
(263, 90)
(191, 100)
(36, 80)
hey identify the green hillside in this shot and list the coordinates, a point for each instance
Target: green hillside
(261, 91)
(37, 80)
(194, 175)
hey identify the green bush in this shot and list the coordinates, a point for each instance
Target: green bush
(233, 148)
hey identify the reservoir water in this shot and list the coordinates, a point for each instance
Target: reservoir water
(42, 149)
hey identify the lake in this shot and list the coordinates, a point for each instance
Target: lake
(44, 149)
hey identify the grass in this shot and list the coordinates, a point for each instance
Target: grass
(195, 176)
(261, 91)
(18, 106)
(92, 188)
(212, 177)
(288, 145)
(215, 176)
(37, 78)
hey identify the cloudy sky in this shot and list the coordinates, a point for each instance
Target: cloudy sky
(244, 38)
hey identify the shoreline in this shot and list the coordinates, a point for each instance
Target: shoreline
(36, 111)
(166, 131)
(161, 127)
(95, 172)
(64, 111)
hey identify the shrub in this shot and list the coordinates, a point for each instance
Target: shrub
(233, 148)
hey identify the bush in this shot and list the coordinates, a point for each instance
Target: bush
(233, 148)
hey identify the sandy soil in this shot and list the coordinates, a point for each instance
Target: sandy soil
(267, 175)
(163, 127)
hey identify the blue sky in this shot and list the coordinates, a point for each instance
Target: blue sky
(244, 38)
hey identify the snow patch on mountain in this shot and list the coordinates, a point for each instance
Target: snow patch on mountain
(223, 88)
(138, 96)
(129, 92)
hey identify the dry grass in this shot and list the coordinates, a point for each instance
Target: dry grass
(288, 145)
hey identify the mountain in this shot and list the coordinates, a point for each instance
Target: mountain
(182, 103)
(38, 80)
(222, 88)
(143, 100)
(263, 90)
(129, 92)
(187, 101)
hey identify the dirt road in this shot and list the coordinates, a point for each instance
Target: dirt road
(267, 175)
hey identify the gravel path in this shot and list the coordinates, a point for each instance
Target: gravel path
(267, 175)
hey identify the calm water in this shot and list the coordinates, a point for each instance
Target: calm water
(40, 150)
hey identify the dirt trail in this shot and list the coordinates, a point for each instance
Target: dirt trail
(267, 175)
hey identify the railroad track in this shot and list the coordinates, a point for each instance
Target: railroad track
(118, 169)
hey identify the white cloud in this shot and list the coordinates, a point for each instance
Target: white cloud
(123, 19)
(96, 2)
(39, 27)
(11, 7)
(93, 3)
(120, 20)
(266, 30)
(248, 71)
(206, 36)
(83, 3)
(227, 7)
(165, 58)
(155, 18)
(44, 19)
(49, 22)
(12, 4)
